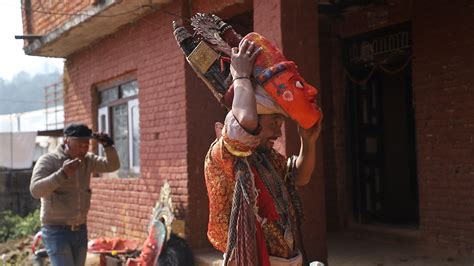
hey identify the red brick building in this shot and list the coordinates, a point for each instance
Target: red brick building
(396, 84)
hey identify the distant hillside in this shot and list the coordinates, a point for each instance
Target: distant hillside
(24, 92)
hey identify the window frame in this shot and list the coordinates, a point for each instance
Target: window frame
(131, 104)
(105, 109)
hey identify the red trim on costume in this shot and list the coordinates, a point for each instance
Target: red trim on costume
(265, 204)
(266, 209)
(263, 258)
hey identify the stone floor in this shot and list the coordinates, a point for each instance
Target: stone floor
(361, 249)
(374, 245)
(347, 249)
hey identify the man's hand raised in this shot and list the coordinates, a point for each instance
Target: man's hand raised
(311, 134)
(70, 167)
(103, 138)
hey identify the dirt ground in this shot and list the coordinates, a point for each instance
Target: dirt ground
(348, 250)
(16, 252)
(344, 250)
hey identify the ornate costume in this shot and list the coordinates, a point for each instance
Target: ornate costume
(230, 158)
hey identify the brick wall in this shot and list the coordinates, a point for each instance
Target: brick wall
(147, 49)
(48, 15)
(443, 81)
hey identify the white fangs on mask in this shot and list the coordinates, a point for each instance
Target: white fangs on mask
(299, 84)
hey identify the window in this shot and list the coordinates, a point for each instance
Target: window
(118, 115)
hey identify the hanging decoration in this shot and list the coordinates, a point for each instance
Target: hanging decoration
(376, 53)
(362, 81)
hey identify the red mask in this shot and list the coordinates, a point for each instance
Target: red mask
(282, 81)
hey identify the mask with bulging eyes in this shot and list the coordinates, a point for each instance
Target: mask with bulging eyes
(282, 81)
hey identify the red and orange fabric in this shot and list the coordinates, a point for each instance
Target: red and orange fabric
(220, 181)
(109, 245)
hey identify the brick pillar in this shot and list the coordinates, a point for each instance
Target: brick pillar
(293, 27)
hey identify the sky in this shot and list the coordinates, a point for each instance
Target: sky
(12, 58)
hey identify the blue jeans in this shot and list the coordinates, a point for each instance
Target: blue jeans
(65, 247)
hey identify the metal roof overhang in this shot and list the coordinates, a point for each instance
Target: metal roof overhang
(82, 30)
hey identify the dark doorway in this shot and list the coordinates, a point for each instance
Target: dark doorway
(381, 121)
